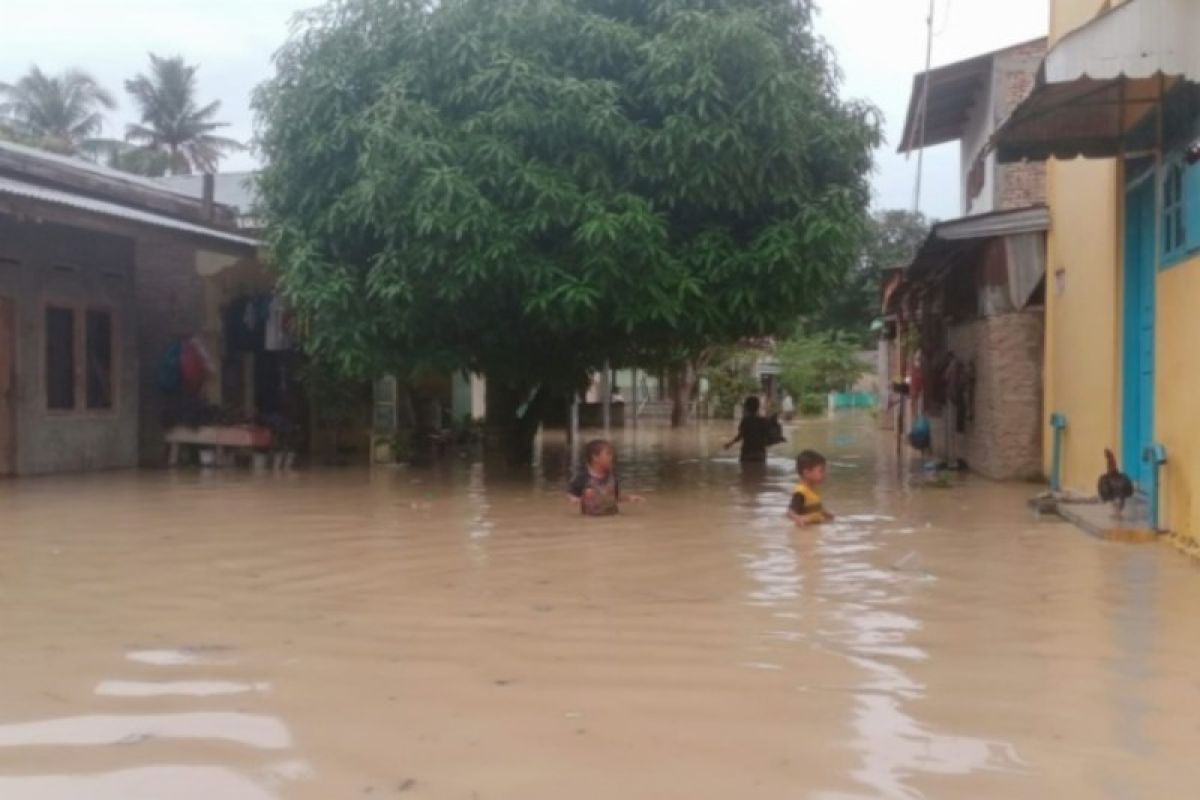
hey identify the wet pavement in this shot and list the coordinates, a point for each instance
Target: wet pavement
(461, 633)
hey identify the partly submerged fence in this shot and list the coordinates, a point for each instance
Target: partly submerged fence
(843, 400)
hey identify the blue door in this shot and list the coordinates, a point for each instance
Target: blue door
(1137, 384)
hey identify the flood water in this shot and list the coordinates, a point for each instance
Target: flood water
(462, 633)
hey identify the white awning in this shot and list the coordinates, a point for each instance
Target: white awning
(1099, 84)
(1138, 39)
(1034, 219)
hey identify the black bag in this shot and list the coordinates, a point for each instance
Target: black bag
(774, 431)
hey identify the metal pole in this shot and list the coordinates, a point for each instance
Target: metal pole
(924, 108)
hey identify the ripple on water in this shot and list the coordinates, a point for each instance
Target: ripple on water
(177, 688)
(176, 782)
(251, 730)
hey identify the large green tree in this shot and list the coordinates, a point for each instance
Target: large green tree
(525, 188)
(63, 113)
(173, 123)
(852, 303)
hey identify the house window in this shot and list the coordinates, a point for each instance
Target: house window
(1174, 210)
(60, 358)
(98, 358)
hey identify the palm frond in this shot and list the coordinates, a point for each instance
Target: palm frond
(170, 120)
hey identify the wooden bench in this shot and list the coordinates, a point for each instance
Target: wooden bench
(246, 438)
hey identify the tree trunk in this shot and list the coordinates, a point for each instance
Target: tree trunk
(517, 426)
(682, 382)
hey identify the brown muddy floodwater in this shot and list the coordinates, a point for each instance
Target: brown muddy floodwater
(460, 633)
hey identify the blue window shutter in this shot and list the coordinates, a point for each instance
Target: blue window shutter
(1191, 205)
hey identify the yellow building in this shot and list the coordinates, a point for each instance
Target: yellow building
(1116, 111)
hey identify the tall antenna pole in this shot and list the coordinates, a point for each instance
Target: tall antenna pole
(924, 108)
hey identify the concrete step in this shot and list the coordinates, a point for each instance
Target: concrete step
(1101, 520)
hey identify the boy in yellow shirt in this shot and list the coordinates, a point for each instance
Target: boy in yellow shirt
(806, 507)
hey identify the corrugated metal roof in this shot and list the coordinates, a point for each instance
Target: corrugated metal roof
(1033, 219)
(32, 191)
(114, 176)
(953, 90)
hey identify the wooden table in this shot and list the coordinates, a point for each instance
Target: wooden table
(248, 438)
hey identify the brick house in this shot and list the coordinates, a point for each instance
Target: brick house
(100, 272)
(427, 398)
(969, 309)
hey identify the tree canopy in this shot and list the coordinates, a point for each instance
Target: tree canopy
(173, 124)
(852, 304)
(63, 113)
(819, 364)
(528, 187)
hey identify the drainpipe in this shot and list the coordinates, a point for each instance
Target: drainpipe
(1156, 456)
(1058, 422)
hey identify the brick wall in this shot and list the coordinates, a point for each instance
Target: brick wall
(1017, 185)
(1020, 185)
(1003, 440)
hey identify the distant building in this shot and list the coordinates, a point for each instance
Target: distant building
(100, 272)
(438, 397)
(965, 318)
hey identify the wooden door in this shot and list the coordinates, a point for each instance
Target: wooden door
(8, 348)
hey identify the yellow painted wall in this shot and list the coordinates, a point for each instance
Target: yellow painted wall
(1067, 15)
(1083, 351)
(1177, 394)
(1082, 324)
(1082, 273)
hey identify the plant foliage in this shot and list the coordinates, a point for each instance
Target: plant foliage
(525, 188)
(63, 113)
(820, 364)
(173, 125)
(892, 240)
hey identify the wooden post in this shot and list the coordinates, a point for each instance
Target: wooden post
(606, 397)
(633, 395)
(573, 428)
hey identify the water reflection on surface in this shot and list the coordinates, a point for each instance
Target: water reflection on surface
(460, 632)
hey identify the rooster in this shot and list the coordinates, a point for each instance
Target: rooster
(1114, 486)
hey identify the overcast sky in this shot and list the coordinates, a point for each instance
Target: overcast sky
(880, 44)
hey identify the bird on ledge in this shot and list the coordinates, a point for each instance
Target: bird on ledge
(1114, 486)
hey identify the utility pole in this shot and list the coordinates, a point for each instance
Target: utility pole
(924, 108)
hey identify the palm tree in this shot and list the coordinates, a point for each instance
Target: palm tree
(63, 113)
(136, 160)
(171, 121)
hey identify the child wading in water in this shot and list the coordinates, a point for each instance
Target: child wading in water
(806, 507)
(595, 485)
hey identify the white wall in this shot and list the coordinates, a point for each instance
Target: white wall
(978, 130)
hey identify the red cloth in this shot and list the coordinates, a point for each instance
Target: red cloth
(192, 368)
